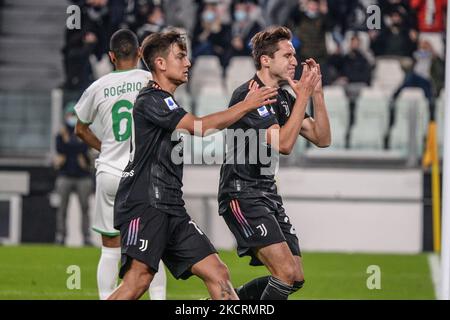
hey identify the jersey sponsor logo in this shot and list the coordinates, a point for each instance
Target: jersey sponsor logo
(263, 112)
(263, 229)
(126, 174)
(144, 245)
(170, 103)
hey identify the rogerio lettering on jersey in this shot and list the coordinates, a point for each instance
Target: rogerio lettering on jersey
(122, 89)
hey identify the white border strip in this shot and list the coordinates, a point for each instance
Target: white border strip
(434, 265)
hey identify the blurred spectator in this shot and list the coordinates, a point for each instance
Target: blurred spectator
(276, 11)
(155, 23)
(342, 14)
(430, 14)
(244, 27)
(179, 10)
(396, 39)
(419, 77)
(95, 19)
(79, 45)
(431, 22)
(99, 19)
(356, 74)
(211, 36)
(356, 67)
(309, 27)
(135, 15)
(401, 7)
(72, 164)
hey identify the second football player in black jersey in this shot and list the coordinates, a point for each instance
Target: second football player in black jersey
(149, 209)
(248, 197)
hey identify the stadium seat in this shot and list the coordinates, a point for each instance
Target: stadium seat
(337, 137)
(410, 102)
(371, 120)
(388, 74)
(300, 148)
(213, 99)
(366, 137)
(338, 111)
(31, 31)
(372, 106)
(206, 70)
(239, 71)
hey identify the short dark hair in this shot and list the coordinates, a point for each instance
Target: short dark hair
(124, 43)
(158, 44)
(266, 43)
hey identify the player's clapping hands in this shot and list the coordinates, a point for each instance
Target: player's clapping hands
(310, 81)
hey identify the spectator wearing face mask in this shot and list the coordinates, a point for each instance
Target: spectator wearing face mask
(211, 35)
(72, 165)
(244, 27)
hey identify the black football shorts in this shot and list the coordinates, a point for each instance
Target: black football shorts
(256, 224)
(156, 235)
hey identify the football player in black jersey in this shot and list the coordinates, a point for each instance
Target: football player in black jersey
(248, 197)
(149, 209)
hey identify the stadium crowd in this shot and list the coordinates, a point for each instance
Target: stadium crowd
(333, 32)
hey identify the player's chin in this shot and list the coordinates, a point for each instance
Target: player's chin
(182, 80)
(291, 74)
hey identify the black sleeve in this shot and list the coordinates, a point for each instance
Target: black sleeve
(261, 118)
(161, 109)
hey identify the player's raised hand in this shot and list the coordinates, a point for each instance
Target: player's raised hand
(310, 77)
(258, 97)
(318, 88)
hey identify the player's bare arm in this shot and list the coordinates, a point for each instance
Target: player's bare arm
(83, 131)
(317, 129)
(256, 97)
(283, 138)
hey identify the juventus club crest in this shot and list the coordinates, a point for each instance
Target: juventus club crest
(285, 105)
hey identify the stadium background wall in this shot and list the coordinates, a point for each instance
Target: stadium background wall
(351, 210)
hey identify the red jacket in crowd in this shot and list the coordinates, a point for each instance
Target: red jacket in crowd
(430, 14)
